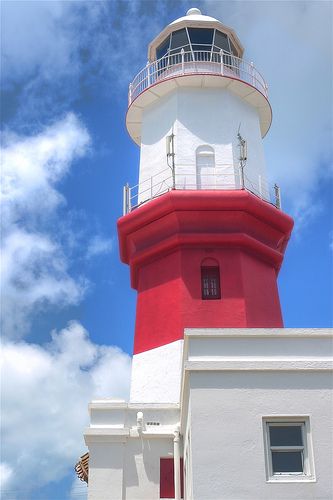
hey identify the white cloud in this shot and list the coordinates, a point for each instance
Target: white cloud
(79, 490)
(53, 53)
(290, 43)
(31, 166)
(35, 269)
(99, 246)
(46, 391)
(6, 473)
(45, 39)
(34, 274)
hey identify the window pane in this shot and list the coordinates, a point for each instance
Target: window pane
(285, 435)
(163, 48)
(233, 49)
(179, 39)
(201, 38)
(210, 283)
(287, 461)
(201, 35)
(221, 41)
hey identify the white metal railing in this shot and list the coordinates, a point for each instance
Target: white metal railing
(166, 181)
(196, 61)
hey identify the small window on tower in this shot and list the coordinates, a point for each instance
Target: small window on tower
(210, 282)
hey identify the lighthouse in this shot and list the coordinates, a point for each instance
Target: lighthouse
(223, 399)
(200, 233)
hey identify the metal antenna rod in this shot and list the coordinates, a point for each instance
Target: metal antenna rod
(171, 154)
(242, 156)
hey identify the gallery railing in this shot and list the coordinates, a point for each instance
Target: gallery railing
(167, 180)
(196, 62)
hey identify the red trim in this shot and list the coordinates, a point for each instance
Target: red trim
(167, 479)
(165, 247)
(206, 200)
(242, 219)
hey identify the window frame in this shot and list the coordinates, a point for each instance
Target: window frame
(189, 47)
(308, 473)
(215, 270)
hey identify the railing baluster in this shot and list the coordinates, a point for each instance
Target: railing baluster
(252, 72)
(124, 201)
(162, 182)
(130, 94)
(148, 74)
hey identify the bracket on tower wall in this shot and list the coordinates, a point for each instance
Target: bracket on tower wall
(170, 147)
(242, 157)
(277, 192)
(126, 200)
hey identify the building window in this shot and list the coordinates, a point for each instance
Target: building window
(210, 282)
(288, 449)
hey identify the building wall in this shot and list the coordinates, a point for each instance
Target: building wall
(228, 454)
(156, 374)
(248, 290)
(128, 470)
(106, 470)
(231, 380)
(142, 467)
(197, 117)
(235, 378)
(124, 460)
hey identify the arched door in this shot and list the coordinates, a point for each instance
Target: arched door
(205, 168)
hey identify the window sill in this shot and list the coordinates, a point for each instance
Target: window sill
(292, 479)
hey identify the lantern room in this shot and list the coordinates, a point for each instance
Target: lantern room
(195, 33)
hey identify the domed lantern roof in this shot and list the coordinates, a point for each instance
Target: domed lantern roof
(195, 32)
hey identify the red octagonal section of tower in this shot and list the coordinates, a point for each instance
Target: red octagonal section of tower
(169, 241)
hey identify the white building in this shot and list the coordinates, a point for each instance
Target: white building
(225, 403)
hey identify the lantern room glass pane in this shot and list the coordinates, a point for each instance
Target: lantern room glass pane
(233, 48)
(179, 40)
(163, 48)
(287, 462)
(285, 435)
(201, 38)
(221, 41)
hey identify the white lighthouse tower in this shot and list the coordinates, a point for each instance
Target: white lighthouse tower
(225, 403)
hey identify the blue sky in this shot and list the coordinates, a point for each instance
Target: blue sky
(68, 310)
